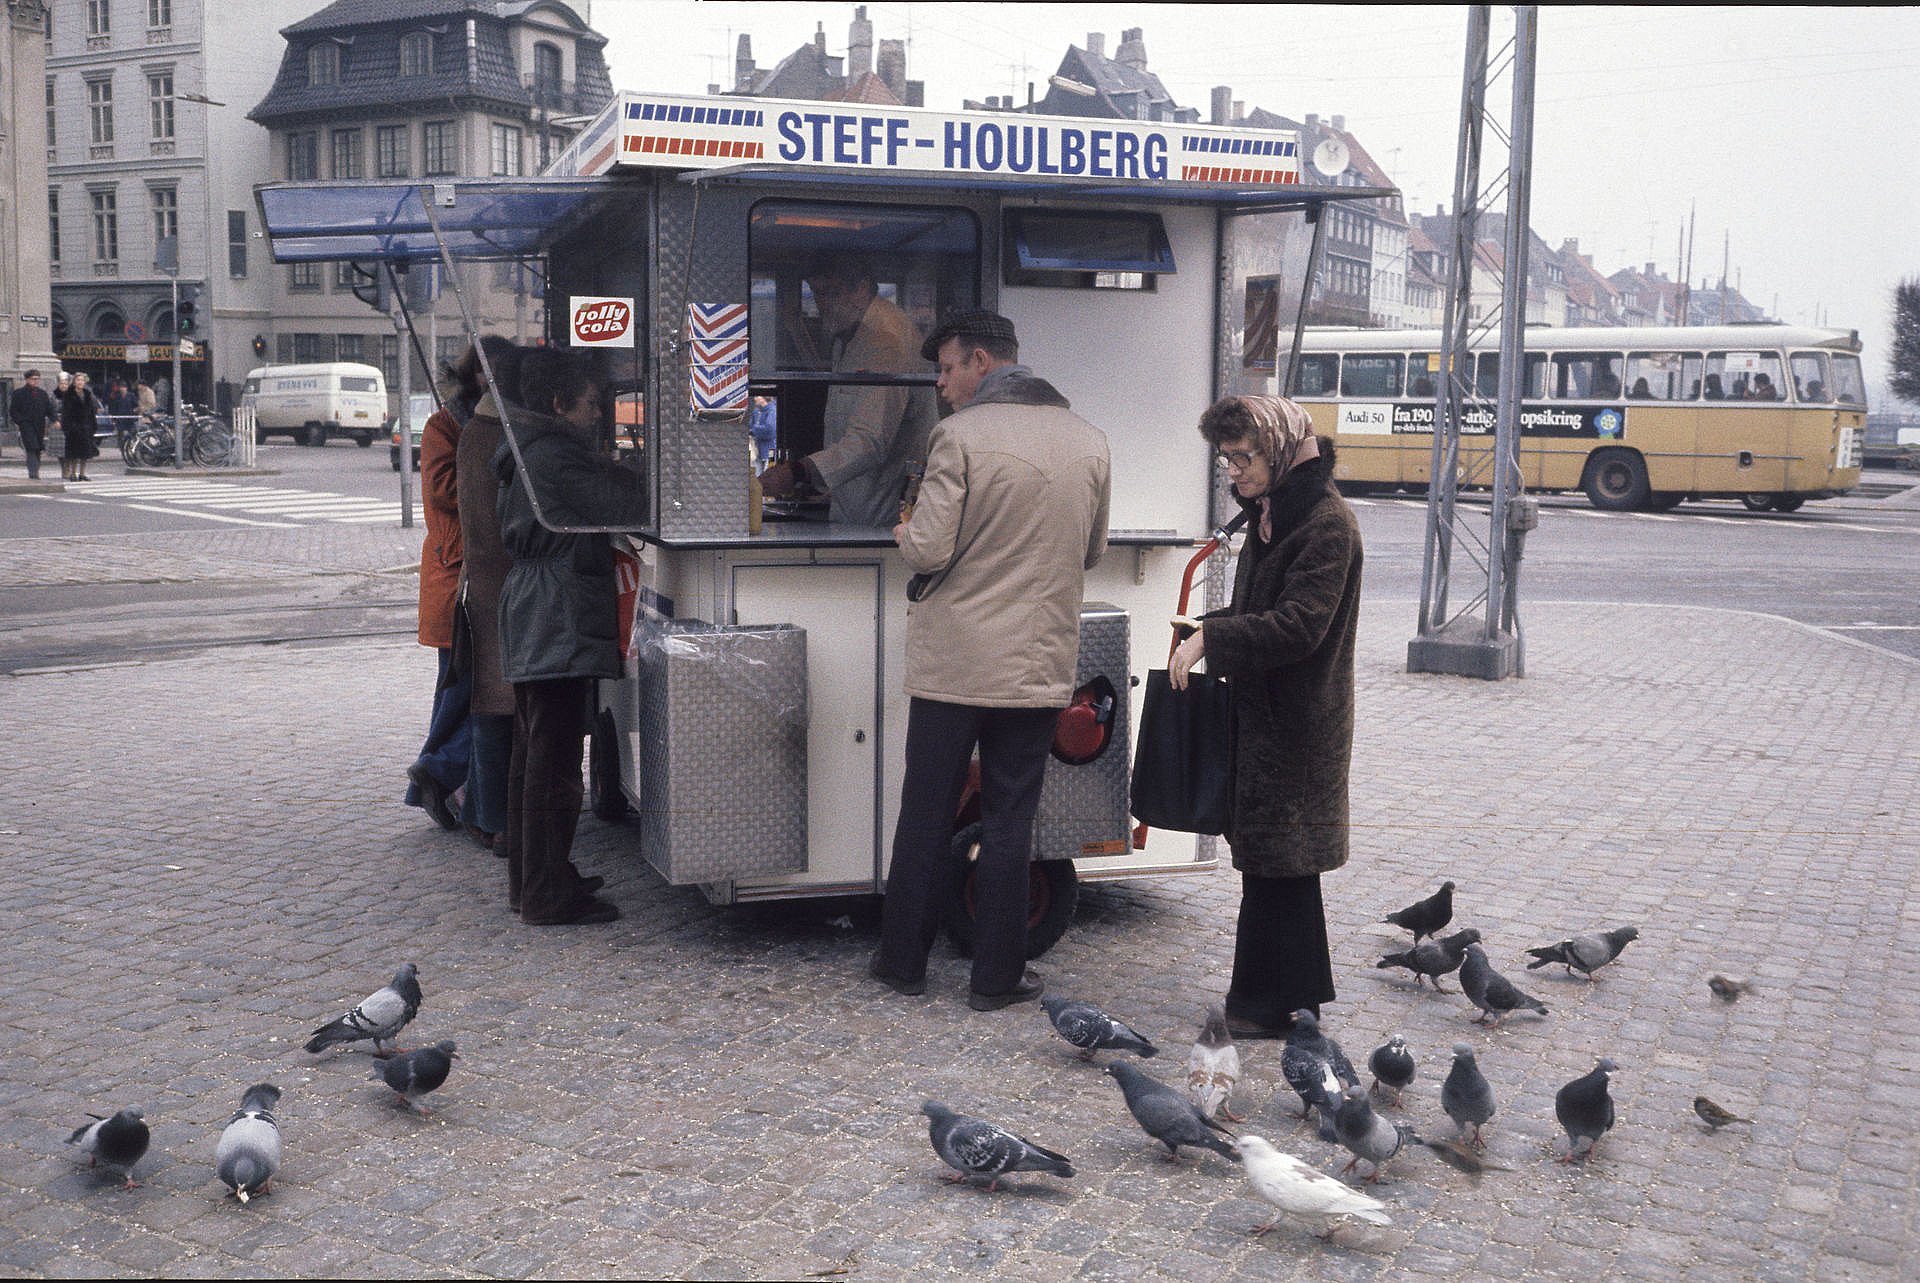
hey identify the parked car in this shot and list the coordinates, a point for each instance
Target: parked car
(420, 408)
(312, 402)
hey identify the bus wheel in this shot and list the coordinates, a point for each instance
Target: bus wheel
(605, 797)
(1053, 889)
(1616, 481)
(1788, 502)
(1758, 502)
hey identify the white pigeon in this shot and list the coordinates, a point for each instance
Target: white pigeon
(1213, 1070)
(1304, 1191)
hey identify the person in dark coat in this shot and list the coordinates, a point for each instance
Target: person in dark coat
(31, 411)
(79, 417)
(1285, 643)
(558, 629)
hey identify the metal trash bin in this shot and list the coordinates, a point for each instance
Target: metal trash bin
(723, 751)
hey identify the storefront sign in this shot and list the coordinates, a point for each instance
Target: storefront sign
(120, 352)
(137, 353)
(600, 322)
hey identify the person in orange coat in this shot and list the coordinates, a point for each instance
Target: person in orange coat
(440, 768)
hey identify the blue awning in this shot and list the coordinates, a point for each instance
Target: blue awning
(480, 218)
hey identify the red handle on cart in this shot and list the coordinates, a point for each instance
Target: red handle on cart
(1207, 550)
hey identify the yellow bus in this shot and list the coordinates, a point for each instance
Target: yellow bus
(1637, 417)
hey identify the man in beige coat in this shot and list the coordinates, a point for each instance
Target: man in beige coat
(1011, 514)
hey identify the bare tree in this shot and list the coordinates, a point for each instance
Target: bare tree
(1906, 341)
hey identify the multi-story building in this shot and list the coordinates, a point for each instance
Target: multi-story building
(26, 329)
(148, 146)
(418, 89)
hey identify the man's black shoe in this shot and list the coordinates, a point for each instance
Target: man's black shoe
(1029, 988)
(433, 796)
(911, 988)
(581, 912)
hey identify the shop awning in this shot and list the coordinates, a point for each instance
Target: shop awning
(480, 218)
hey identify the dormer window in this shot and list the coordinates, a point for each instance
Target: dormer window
(323, 64)
(416, 54)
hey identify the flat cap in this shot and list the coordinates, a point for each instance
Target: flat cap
(976, 323)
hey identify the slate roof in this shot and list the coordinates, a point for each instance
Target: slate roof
(1123, 92)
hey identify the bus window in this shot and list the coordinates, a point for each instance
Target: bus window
(1423, 374)
(1370, 375)
(1583, 376)
(1810, 376)
(1486, 382)
(1847, 386)
(1743, 376)
(1316, 377)
(1663, 376)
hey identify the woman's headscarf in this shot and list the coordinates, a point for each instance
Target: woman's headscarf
(1281, 430)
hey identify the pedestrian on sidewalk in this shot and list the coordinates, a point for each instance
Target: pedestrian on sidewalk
(1012, 512)
(558, 630)
(79, 417)
(31, 410)
(1286, 644)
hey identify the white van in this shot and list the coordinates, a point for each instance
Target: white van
(312, 402)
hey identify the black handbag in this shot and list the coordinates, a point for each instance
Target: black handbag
(1182, 759)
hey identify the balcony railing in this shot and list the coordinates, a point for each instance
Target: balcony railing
(559, 97)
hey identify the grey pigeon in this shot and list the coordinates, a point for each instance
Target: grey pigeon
(1728, 988)
(1585, 1110)
(1714, 1115)
(1585, 953)
(116, 1143)
(1091, 1029)
(413, 1074)
(1426, 917)
(1490, 991)
(249, 1151)
(1306, 1052)
(380, 1016)
(1167, 1115)
(1294, 1187)
(1392, 1066)
(975, 1147)
(1466, 1096)
(1433, 958)
(1460, 1156)
(1213, 1070)
(1367, 1135)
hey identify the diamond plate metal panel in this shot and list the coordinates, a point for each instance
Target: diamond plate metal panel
(1083, 806)
(723, 752)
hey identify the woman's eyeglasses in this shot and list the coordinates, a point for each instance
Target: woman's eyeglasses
(1234, 460)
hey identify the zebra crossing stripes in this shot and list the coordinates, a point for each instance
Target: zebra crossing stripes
(217, 498)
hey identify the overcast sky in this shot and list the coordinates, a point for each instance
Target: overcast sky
(1792, 131)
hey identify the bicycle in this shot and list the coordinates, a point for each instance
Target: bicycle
(209, 441)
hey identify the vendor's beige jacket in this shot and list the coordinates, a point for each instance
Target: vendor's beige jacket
(1012, 513)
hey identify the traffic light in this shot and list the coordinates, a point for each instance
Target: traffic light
(370, 286)
(183, 316)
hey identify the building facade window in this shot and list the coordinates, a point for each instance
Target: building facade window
(52, 133)
(312, 348)
(390, 151)
(303, 155)
(344, 276)
(53, 225)
(506, 149)
(99, 18)
(283, 349)
(106, 226)
(236, 242)
(323, 64)
(353, 347)
(437, 147)
(346, 154)
(160, 104)
(100, 112)
(304, 278)
(166, 213)
(159, 13)
(416, 54)
(546, 71)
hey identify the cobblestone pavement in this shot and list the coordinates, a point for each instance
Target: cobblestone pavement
(206, 858)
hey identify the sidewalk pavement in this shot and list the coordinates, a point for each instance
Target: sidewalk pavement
(699, 1092)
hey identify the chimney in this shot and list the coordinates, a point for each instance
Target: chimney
(1239, 111)
(713, 90)
(743, 71)
(1340, 124)
(1222, 113)
(1649, 271)
(859, 44)
(892, 67)
(820, 36)
(916, 93)
(1313, 121)
(1097, 44)
(1133, 49)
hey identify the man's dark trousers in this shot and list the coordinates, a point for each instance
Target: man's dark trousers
(924, 877)
(544, 793)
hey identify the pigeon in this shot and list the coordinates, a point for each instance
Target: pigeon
(249, 1151)
(1367, 1135)
(1490, 991)
(415, 1073)
(380, 1016)
(117, 1143)
(1426, 917)
(1392, 1066)
(1585, 1110)
(1214, 1067)
(975, 1147)
(1166, 1115)
(1434, 958)
(1586, 953)
(1466, 1096)
(1091, 1029)
(1728, 988)
(1460, 1156)
(1294, 1187)
(1713, 1115)
(1307, 1050)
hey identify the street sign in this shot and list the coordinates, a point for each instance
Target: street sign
(136, 332)
(187, 349)
(137, 353)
